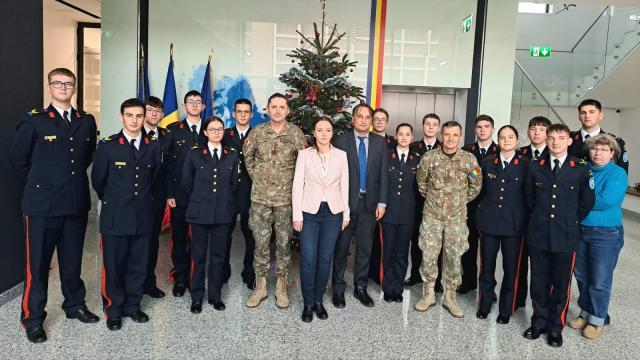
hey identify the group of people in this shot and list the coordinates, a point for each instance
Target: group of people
(549, 207)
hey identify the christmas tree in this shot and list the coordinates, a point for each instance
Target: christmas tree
(318, 86)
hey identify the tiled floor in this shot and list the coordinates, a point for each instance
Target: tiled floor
(386, 331)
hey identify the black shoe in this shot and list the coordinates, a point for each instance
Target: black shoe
(389, 297)
(321, 312)
(84, 315)
(412, 281)
(438, 288)
(179, 289)
(307, 314)
(361, 294)
(607, 320)
(114, 323)
(481, 314)
(36, 334)
(398, 298)
(533, 333)
(502, 319)
(465, 289)
(251, 284)
(554, 338)
(155, 292)
(338, 300)
(217, 304)
(196, 307)
(138, 316)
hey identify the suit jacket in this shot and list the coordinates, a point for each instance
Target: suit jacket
(474, 148)
(525, 151)
(211, 186)
(122, 178)
(557, 205)
(502, 209)
(420, 148)
(54, 157)
(232, 140)
(578, 150)
(162, 185)
(309, 187)
(377, 181)
(403, 189)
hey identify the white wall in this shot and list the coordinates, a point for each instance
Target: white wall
(629, 130)
(59, 45)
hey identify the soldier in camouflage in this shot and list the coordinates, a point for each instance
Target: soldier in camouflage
(270, 153)
(448, 179)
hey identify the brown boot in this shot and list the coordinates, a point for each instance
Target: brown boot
(428, 298)
(451, 304)
(282, 300)
(259, 294)
(592, 332)
(578, 323)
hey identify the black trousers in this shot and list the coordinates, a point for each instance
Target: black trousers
(361, 223)
(42, 236)
(375, 268)
(158, 214)
(416, 253)
(512, 248)
(469, 259)
(248, 275)
(124, 270)
(523, 279)
(211, 240)
(179, 246)
(395, 256)
(551, 274)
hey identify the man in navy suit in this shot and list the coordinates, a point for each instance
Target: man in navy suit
(368, 186)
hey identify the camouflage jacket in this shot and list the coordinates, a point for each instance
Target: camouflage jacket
(270, 159)
(448, 184)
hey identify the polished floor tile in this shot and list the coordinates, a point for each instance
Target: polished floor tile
(386, 331)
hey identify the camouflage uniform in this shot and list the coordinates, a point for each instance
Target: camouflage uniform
(447, 184)
(270, 159)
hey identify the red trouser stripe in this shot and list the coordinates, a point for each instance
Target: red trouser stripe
(103, 286)
(381, 253)
(563, 316)
(515, 284)
(27, 288)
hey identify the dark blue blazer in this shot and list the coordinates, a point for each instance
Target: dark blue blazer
(54, 156)
(377, 180)
(420, 148)
(163, 183)
(122, 178)
(232, 140)
(403, 189)
(557, 205)
(211, 186)
(525, 151)
(474, 148)
(578, 149)
(502, 209)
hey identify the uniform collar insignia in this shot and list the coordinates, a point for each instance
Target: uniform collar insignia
(542, 162)
(205, 152)
(231, 132)
(393, 155)
(121, 140)
(495, 161)
(52, 115)
(572, 163)
(516, 161)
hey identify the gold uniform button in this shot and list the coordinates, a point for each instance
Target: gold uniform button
(215, 170)
(71, 138)
(399, 186)
(555, 186)
(214, 183)
(214, 190)
(553, 206)
(136, 185)
(71, 149)
(553, 196)
(501, 189)
(398, 193)
(500, 206)
(73, 161)
(500, 197)
(502, 180)
(73, 173)
(400, 179)
(552, 216)
(400, 172)
(137, 168)
(135, 193)
(136, 176)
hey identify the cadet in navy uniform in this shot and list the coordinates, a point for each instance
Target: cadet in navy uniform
(379, 125)
(124, 168)
(483, 147)
(537, 133)
(590, 114)
(154, 115)
(234, 138)
(398, 220)
(501, 219)
(430, 128)
(186, 134)
(559, 192)
(52, 149)
(210, 178)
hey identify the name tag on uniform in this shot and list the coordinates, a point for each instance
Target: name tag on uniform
(120, 163)
(50, 137)
(491, 176)
(538, 184)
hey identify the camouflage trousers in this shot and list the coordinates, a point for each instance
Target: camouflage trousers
(451, 237)
(261, 218)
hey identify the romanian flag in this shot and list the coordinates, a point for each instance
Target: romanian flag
(144, 91)
(207, 93)
(474, 172)
(170, 99)
(376, 51)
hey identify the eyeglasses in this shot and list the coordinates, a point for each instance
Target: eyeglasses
(194, 102)
(60, 85)
(243, 112)
(216, 130)
(154, 111)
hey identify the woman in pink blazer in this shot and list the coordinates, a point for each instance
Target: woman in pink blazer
(320, 211)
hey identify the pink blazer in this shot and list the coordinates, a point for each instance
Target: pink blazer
(309, 187)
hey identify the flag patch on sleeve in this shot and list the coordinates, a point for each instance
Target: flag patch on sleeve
(474, 172)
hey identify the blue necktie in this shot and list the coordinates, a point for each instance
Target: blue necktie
(362, 157)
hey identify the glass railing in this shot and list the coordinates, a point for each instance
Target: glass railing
(528, 101)
(569, 75)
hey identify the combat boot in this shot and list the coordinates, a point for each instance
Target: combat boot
(259, 294)
(451, 304)
(428, 298)
(282, 300)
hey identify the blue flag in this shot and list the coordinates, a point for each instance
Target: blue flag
(143, 79)
(207, 93)
(170, 99)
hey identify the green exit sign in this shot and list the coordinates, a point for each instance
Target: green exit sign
(540, 51)
(466, 24)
